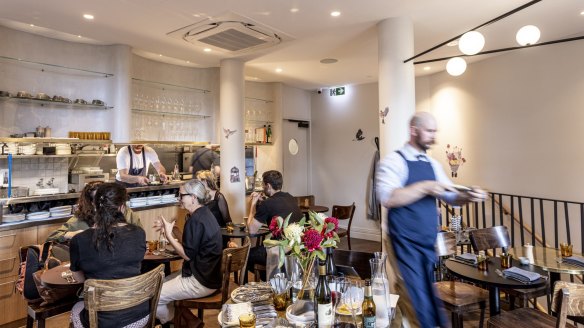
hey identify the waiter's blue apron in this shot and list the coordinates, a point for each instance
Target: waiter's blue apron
(412, 229)
(133, 171)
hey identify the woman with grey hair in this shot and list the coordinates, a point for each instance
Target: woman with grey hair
(201, 250)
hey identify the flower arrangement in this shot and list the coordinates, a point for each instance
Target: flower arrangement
(455, 159)
(306, 239)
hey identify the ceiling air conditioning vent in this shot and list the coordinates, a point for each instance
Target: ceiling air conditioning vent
(231, 33)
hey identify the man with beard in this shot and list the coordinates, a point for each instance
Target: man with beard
(408, 183)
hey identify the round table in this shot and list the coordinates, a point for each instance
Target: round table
(314, 208)
(53, 278)
(238, 233)
(492, 280)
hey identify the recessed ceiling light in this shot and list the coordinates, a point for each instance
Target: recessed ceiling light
(452, 43)
(31, 25)
(279, 70)
(336, 13)
(294, 10)
(79, 36)
(207, 50)
(328, 61)
(188, 61)
(427, 68)
(88, 16)
(159, 55)
(582, 13)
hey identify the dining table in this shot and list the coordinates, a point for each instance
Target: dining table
(54, 277)
(314, 208)
(492, 278)
(550, 260)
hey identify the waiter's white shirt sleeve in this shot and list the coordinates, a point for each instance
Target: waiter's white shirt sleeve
(392, 173)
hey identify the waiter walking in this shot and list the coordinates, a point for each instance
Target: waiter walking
(408, 183)
(133, 162)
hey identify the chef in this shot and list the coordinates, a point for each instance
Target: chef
(133, 162)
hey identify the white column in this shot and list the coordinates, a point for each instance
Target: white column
(396, 81)
(121, 91)
(231, 105)
(396, 92)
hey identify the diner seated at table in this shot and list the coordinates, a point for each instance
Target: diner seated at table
(272, 201)
(217, 203)
(110, 249)
(201, 250)
(84, 214)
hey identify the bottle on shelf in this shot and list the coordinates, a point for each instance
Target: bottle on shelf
(368, 307)
(323, 303)
(269, 134)
(331, 269)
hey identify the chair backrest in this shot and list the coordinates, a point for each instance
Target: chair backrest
(445, 244)
(118, 294)
(567, 300)
(344, 212)
(490, 238)
(302, 200)
(233, 260)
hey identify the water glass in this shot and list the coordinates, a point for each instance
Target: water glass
(506, 261)
(566, 249)
(247, 320)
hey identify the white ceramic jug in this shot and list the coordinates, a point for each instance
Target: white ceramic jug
(528, 251)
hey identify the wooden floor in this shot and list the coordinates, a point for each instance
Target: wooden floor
(210, 318)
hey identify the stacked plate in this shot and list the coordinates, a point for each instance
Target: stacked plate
(12, 148)
(63, 149)
(8, 218)
(43, 215)
(27, 149)
(138, 202)
(170, 198)
(60, 211)
(154, 200)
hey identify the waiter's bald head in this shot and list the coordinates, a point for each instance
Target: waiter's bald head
(422, 131)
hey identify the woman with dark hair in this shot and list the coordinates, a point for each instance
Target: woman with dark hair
(217, 203)
(83, 218)
(110, 249)
(201, 250)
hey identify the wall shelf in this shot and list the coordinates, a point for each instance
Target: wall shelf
(45, 66)
(53, 104)
(198, 116)
(175, 143)
(259, 99)
(258, 144)
(56, 140)
(169, 85)
(260, 121)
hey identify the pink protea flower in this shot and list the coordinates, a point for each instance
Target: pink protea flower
(331, 233)
(312, 240)
(274, 228)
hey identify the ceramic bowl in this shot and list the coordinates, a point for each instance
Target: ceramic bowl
(524, 260)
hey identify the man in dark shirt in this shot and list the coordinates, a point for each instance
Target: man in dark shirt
(262, 210)
(206, 158)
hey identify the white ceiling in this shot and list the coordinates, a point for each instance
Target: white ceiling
(314, 34)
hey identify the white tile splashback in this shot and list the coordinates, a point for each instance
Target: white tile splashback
(28, 171)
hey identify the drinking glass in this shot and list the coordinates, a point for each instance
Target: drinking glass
(566, 249)
(247, 320)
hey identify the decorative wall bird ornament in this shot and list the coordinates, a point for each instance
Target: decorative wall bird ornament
(383, 114)
(228, 132)
(359, 136)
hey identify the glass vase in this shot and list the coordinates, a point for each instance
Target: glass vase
(380, 290)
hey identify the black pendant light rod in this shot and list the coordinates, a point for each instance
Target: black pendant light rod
(507, 14)
(503, 49)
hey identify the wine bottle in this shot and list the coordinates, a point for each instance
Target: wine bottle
(331, 268)
(322, 299)
(368, 307)
(269, 134)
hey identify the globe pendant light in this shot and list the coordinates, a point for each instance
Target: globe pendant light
(471, 43)
(456, 66)
(527, 35)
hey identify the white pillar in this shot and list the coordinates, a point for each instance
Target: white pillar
(231, 105)
(121, 89)
(396, 81)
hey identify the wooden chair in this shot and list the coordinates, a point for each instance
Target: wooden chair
(38, 313)
(498, 237)
(303, 200)
(344, 213)
(233, 260)
(119, 294)
(566, 303)
(458, 297)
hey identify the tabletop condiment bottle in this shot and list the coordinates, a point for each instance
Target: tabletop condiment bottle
(323, 303)
(528, 251)
(368, 307)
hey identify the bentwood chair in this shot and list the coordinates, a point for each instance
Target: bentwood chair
(344, 213)
(119, 294)
(567, 303)
(498, 237)
(233, 260)
(458, 297)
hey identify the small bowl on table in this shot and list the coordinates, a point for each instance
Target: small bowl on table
(240, 226)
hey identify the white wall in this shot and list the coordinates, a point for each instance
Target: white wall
(341, 165)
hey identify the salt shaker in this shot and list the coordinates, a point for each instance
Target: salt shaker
(528, 251)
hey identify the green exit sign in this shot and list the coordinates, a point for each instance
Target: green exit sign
(340, 91)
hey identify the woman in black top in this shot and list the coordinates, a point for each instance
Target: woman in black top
(217, 203)
(110, 249)
(201, 250)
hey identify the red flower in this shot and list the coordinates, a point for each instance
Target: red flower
(274, 228)
(331, 233)
(312, 240)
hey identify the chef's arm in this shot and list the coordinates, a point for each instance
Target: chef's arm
(127, 178)
(161, 170)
